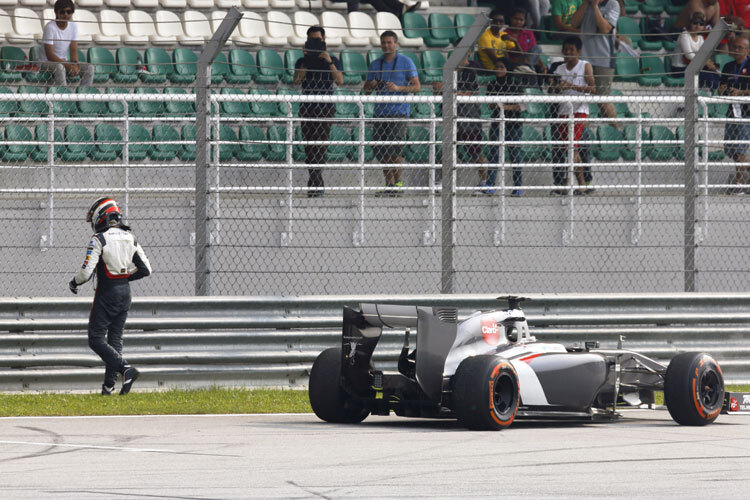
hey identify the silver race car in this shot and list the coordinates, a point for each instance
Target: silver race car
(487, 370)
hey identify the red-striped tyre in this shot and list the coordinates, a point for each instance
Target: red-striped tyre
(485, 393)
(694, 388)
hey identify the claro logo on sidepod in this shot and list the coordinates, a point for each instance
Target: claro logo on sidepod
(490, 331)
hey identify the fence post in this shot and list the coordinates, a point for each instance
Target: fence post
(690, 173)
(202, 138)
(448, 196)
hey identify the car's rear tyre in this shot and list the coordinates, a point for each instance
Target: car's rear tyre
(694, 388)
(328, 400)
(485, 393)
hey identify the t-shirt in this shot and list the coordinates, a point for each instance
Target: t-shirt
(737, 76)
(399, 71)
(317, 82)
(576, 76)
(505, 86)
(564, 8)
(467, 82)
(59, 39)
(597, 49)
(526, 40)
(686, 49)
(490, 41)
(739, 8)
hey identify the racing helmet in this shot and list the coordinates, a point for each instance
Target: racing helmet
(104, 213)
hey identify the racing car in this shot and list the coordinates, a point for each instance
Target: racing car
(487, 370)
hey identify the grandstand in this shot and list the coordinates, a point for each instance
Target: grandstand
(133, 134)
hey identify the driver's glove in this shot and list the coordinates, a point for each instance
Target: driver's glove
(73, 286)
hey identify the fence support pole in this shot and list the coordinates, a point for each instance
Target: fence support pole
(202, 139)
(448, 196)
(691, 150)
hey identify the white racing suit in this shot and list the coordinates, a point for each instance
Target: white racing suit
(117, 259)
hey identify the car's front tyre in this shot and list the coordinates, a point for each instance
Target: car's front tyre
(694, 388)
(486, 394)
(327, 398)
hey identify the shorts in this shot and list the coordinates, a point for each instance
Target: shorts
(603, 79)
(737, 132)
(472, 152)
(388, 129)
(578, 126)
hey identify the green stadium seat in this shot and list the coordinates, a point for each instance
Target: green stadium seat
(185, 66)
(8, 108)
(669, 45)
(717, 110)
(607, 152)
(291, 56)
(544, 37)
(127, 60)
(32, 108)
(421, 109)
(252, 144)
(164, 152)
(462, 23)
(91, 108)
(10, 57)
(626, 68)
(219, 69)
(668, 79)
(188, 151)
(147, 108)
(104, 64)
(722, 59)
(107, 133)
(621, 108)
(432, 62)
(263, 108)
(652, 70)
(415, 26)
(36, 76)
(662, 152)
(62, 108)
(242, 67)
(139, 142)
(629, 27)
(715, 155)
(338, 153)
(441, 27)
(655, 42)
(372, 55)
(75, 133)
(284, 106)
(653, 7)
(346, 109)
(117, 107)
(415, 59)
(237, 108)
(631, 7)
(16, 153)
(628, 152)
(158, 65)
(674, 7)
(420, 151)
(535, 109)
(354, 67)
(277, 152)
(270, 67)
(41, 151)
(531, 152)
(178, 108)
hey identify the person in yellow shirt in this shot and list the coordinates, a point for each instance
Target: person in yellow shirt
(494, 42)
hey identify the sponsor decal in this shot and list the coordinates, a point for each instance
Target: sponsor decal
(746, 399)
(88, 252)
(733, 404)
(490, 330)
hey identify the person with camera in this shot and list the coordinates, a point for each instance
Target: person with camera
(392, 74)
(317, 71)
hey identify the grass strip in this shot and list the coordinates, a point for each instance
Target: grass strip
(172, 402)
(213, 400)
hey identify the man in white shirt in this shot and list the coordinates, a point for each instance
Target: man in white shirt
(60, 42)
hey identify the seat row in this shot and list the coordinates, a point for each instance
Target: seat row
(197, 4)
(358, 29)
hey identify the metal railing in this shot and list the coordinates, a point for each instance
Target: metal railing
(273, 341)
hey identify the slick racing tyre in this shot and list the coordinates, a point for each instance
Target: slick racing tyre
(694, 388)
(485, 393)
(328, 400)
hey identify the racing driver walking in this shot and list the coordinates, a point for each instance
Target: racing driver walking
(118, 259)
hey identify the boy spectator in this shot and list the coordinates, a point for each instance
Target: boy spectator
(61, 36)
(735, 82)
(504, 84)
(494, 41)
(317, 71)
(597, 20)
(391, 74)
(574, 77)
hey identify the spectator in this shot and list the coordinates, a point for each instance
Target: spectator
(562, 12)
(735, 82)
(537, 9)
(505, 83)
(317, 71)
(468, 131)
(528, 51)
(393, 6)
(574, 77)
(389, 75)
(709, 9)
(494, 41)
(736, 12)
(597, 20)
(688, 44)
(61, 36)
